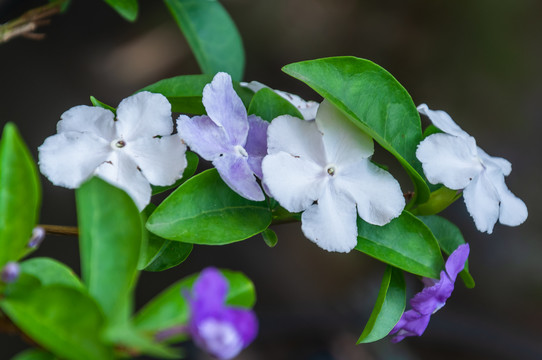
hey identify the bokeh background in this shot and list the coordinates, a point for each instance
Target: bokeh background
(479, 60)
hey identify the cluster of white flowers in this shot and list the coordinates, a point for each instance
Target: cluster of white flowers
(319, 165)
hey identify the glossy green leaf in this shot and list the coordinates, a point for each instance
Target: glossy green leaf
(34, 354)
(20, 195)
(184, 92)
(270, 237)
(64, 320)
(267, 104)
(449, 237)
(389, 306)
(110, 235)
(374, 101)
(204, 210)
(126, 8)
(50, 272)
(98, 103)
(439, 200)
(211, 34)
(170, 308)
(138, 342)
(405, 243)
(192, 164)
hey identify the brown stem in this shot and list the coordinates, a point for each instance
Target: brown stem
(61, 230)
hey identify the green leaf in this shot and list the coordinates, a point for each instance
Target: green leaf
(439, 200)
(267, 104)
(184, 92)
(64, 320)
(270, 237)
(211, 34)
(126, 8)
(137, 342)
(389, 307)
(110, 235)
(449, 237)
(374, 101)
(98, 103)
(192, 164)
(170, 308)
(50, 272)
(20, 195)
(34, 354)
(405, 243)
(204, 210)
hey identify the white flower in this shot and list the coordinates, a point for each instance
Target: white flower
(322, 167)
(452, 158)
(130, 151)
(307, 109)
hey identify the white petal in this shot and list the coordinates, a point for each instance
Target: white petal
(69, 158)
(482, 202)
(122, 172)
(331, 223)
(308, 109)
(255, 86)
(297, 137)
(91, 119)
(448, 160)
(344, 142)
(294, 182)
(375, 191)
(442, 120)
(512, 211)
(504, 165)
(162, 161)
(144, 114)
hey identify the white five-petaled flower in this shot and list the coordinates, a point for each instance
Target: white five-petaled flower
(452, 158)
(130, 151)
(322, 167)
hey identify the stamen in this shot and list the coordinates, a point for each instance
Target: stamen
(120, 144)
(330, 170)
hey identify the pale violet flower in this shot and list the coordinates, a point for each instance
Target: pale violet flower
(432, 298)
(235, 142)
(129, 151)
(452, 158)
(221, 330)
(307, 109)
(322, 167)
(10, 272)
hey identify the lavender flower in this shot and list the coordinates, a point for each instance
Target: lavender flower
(10, 272)
(234, 142)
(431, 298)
(220, 330)
(38, 234)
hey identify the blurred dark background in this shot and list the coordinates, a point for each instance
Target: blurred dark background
(479, 60)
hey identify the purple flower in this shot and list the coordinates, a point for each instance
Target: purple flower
(38, 234)
(431, 298)
(220, 330)
(235, 142)
(10, 272)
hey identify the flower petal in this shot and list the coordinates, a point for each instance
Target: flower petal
(432, 298)
(119, 170)
(209, 291)
(225, 108)
(344, 142)
(308, 109)
(442, 120)
(245, 322)
(411, 323)
(482, 202)
(456, 261)
(512, 210)
(144, 114)
(295, 182)
(236, 173)
(203, 136)
(256, 145)
(331, 223)
(91, 119)
(448, 160)
(375, 191)
(161, 161)
(69, 158)
(491, 161)
(297, 137)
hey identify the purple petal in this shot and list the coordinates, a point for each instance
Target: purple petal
(225, 108)
(237, 174)
(10, 272)
(411, 323)
(209, 292)
(245, 322)
(203, 136)
(431, 299)
(456, 262)
(256, 145)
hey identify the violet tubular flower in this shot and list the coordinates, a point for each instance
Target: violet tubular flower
(220, 330)
(432, 298)
(234, 141)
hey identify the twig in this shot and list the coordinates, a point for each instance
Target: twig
(61, 230)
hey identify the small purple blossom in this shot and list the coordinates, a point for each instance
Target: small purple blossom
(220, 330)
(431, 298)
(38, 234)
(10, 272)
(234, 141)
